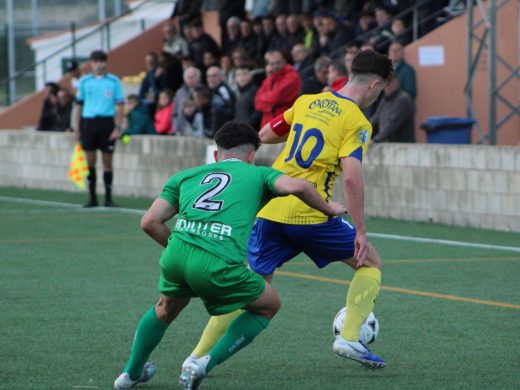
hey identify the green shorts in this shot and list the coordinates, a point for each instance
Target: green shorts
(190, 271)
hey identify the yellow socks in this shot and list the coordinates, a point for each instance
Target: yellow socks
(214, 330)
(360, 300)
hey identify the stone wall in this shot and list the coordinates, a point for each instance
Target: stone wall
(466, 185)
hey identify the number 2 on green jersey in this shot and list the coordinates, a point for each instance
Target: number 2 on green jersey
(206, 202)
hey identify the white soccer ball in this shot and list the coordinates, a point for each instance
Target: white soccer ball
(369, 330)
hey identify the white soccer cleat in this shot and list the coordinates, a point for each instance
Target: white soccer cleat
(193, 374)
(357, 351)
(123, 381)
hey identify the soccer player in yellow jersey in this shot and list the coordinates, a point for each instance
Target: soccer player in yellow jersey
(325, 134)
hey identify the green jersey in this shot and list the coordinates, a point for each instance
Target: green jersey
(217, 204)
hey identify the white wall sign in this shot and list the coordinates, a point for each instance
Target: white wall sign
(431, 55)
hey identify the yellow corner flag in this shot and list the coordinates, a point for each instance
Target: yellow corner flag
(78, 169)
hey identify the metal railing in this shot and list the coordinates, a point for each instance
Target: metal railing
(421, 24)
(104, 31)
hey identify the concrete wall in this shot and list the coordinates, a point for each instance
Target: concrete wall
(464, 185)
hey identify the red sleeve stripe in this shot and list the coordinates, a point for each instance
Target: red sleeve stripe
(279, 126)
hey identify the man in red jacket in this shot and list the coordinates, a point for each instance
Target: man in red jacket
(280, 88)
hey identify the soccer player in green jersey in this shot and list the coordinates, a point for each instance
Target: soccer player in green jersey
(204, 256)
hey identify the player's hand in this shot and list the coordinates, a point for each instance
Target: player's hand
(116, 134)
(76, 136)
(337, 208)
(360, 248)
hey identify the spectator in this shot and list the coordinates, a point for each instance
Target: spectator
(163, 116)
(187, 62)
(248, 39)
(353, 46)
(227, 10)
(365, 23)
(63, 111)
(383, 36)
(193, 126)
(268, 34)
(260, 43)
(318, 80)
(400, 32)
(228, 72)
(222, 102)
(332, 35)
(245, 101)
(347, 60)
(168, 72)
(303, 61)
(232, 35)
(394, 118)
(192, 78)
(74, 71)
(138, 119)
(280, 39)
(174, 43)
(100, 107)
(338, 75)
(202, 98)
(295, 33)
(200, 43)
(186, 11)
(48, 114)
(148, 90)
(210, 59)
(280, 88)
(367, 45)
(308, 30)
(404, 71)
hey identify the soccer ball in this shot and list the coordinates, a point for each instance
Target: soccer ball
(369, 330)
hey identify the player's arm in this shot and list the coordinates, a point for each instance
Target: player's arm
(118, 119)
(275, 131)
(286, 185)
(154, 220)
(354, 192)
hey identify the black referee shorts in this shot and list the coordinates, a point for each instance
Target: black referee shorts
(95, 133)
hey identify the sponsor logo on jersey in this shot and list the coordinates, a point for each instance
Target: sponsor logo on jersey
(215, 230)
(326, 104)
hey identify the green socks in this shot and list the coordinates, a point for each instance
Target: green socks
(239, 334)
(148, 334)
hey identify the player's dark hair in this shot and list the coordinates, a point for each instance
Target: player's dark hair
(98, 55)
(371, 62)
(233, 134)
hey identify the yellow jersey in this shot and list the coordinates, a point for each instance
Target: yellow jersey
(324, 128)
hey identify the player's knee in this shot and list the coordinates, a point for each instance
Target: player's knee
(167, 310)
(275, 306)
(162, 313)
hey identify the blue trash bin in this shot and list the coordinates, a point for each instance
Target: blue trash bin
(448, 130)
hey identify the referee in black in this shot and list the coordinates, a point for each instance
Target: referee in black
(98, 121)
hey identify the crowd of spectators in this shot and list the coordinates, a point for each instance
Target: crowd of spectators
(264, 63)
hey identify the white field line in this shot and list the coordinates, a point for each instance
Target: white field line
(69, 205)
(445, 242)
(375, 235)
